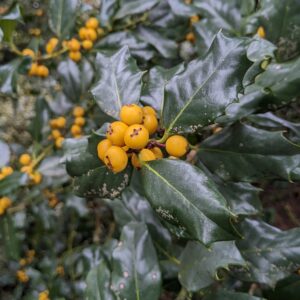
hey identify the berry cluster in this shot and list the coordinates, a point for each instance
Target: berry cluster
(35, 68)
(56, 126)
(44, 295)
(130, 138)
(79, 121)
(6, 171)
(28, 165)
(22, 276)
(5, 203)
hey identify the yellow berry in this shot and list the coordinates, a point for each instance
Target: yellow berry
(146, 155)
(92, 23)
(33, 71)
(82, 33)
(25, 159)
(135, 161)
(150, 122)
(78, 111)
(177, 145)
(74, 45)
(87, 44)
(80, 121)
(131, 114)
(5, 202)
(194, 19)
(22, 262)
(51, 45)
(6, 171)
(115, 133)
(75, 129)
(261, 32)
(91, 34)
(157, 152)
(190, 37)
(148, 110)
(28, 52)
(136, 136)
(75, 55)
(22, 276)
(36, 177)
(44, 295)
(55, 134)
(59, 141)
(42, 71)
(102, 147)
(61, 122)
(26, 169)
(116, 159)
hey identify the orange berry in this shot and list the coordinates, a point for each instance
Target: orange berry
(82, 33)
(80, 121)
(26, 169)
(22, 276)
(74, 45)
(61, 122)
(36, 177)
(102, 147)
(78, 111)
(42, 71)
(33, 71)
(55, 133)
(191, 37)
(6, 171)
(148, 110)
(92, 23)
(75, 130)
(157, 152)
(261, 32)
(177, 145)
(194, 19)
(115, 133)
(116, 159)
(58, 142)
(75, 55)
(135, 161)
(131, 114)
(25, 159)
(87, 44)
(91, 34)
(28, 52)
(136, 136)
(150, 122)
(146, 155)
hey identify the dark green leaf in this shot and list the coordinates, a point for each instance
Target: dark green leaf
(136, 274)
(119, 81)
(5, 154)
(62, 16)
(227, 295)
(107, 11)
(12, 182)
(199, 103)
(245, 153)
(199, 265)
(190, 200)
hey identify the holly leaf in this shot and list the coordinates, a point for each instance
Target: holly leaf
(62, 16)
(245, 153)
(107, 10)
(136, 273)
(119, 81)
(8, 76)
(191, 101)
(191, 201)
(271, 254)
(228, 295)
(5, 154)
(199, 265)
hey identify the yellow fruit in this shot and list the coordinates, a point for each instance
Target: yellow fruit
(78, 111)
(87, 44)
(43, 71)
(6, 171)
(135, 161)
(22, 262)
(22, 276)
(26, 169)
(115, 133)
(82, 33)
(150, 122)
(116, 159)
(75, 129)
(157, 152)
(102, 147)
(44, 295)
(194, 19)
(51, 45)
(190, 37)
(74, 45)
(80, 121)
(148, 110)
(25, 159)
(177, 145)
(136, 136)
(61, 122)
(91, 34)
(55, 134)
(5, 202)
(146, 155)
(28, 52)
(36, 177)
(58, 142)
(131, 114)
(75, 55)
(33, 71)
(261, 32)
(92, 23)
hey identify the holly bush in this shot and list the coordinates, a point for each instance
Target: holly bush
(137, 137)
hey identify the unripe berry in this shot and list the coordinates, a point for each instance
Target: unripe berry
(74, 45)
(191, 37)
(150, 122)
(87, 44)
(148, 110)
(115, 133)
(136, 136)
(25, 159)
(157, 152)
(33, 71)
(58, 142)
(80, 121)
(75, 130)
(261, 32)
(28, 52)
(116, 159)
(6, 171)
(146, 155)
(75, 55)
(55, 134)
(78, 111)
(61, 122)
(91, 34)
(102, 148)
(131, 114)
(177, 145)
(42, 71)
(135, 161)
(92, 23)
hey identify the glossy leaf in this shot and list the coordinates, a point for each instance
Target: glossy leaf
(136, 274)
(5, 154)
(191, 101)
(119, 81)
(12, 182)
(227, 295)
(8, 76)
(107, 11)
(199, 265)
(272, 254)
(62, 16)
(191, 201)
(245, 153)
